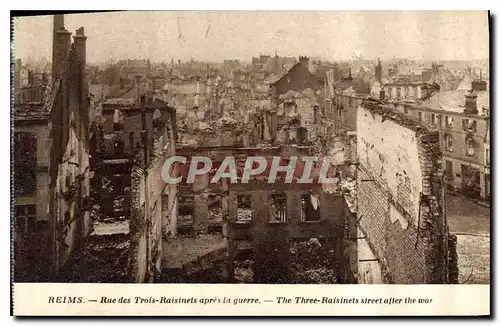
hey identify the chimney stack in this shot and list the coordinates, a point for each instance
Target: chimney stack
(304, 60)
(80, 46)
(60, 44)
(471, 103)
(60, 52)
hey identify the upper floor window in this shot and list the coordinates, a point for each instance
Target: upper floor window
(433, 119)
(448, 142)
(278, 208)
(244, 208)
(420, 116)
(24, 163)
(469, 125)
(406, 110)
(309, 208)
(470, 147)
(118, 119)
(439, 120)
(448, 121)
(487, 156)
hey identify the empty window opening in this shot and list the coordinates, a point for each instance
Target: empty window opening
(277, 205)
(215, 214)
(309, 208)
(185, 215)
(470, 146)
(448, 139)
(244, 209)
(118, 119)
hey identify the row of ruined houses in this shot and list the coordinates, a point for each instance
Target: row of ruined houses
(58, 164)
(393, 231)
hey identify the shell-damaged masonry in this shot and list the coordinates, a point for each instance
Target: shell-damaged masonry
(148, 152)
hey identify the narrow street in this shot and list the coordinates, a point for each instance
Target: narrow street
(471, 222)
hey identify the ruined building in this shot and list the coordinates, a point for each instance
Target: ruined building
(51, 164)
(403, 234)
(153, 202)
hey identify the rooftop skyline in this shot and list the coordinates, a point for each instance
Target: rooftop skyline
(215, 36)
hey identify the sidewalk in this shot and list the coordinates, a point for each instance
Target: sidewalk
(480, 202)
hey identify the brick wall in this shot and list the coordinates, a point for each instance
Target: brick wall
(400, 196)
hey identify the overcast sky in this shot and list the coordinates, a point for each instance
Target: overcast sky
(215, 36)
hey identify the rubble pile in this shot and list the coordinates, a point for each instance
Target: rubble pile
(348, 186)
(185, 220)
(215, 214)
(243, 271)
(244, 214)
(103, 259)
(312, 263)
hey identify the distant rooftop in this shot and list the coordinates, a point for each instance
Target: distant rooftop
(38, 110)
(454, 101)
(120, 101)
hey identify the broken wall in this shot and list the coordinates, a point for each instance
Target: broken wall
(400, 196)
(138, 255)
(271, 239)
(151, 218)
(70, 148)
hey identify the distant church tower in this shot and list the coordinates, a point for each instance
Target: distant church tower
(378, 71)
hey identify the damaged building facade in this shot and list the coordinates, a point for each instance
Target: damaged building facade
(153, 202)
(382, 219)
(51, 212)
(403, 232)
(463, 121)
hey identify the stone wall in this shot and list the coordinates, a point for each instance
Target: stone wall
(400, 196)
(151, 219)
(270, 240)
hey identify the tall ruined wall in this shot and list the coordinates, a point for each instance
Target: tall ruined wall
(400, 196)
(138, 254)
(153, 203)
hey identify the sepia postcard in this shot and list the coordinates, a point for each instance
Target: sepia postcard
(264, 163)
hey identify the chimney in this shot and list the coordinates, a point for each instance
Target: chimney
(80, 45)
(471, 103)
(60, 52)
(58, 25)
(304, 60)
